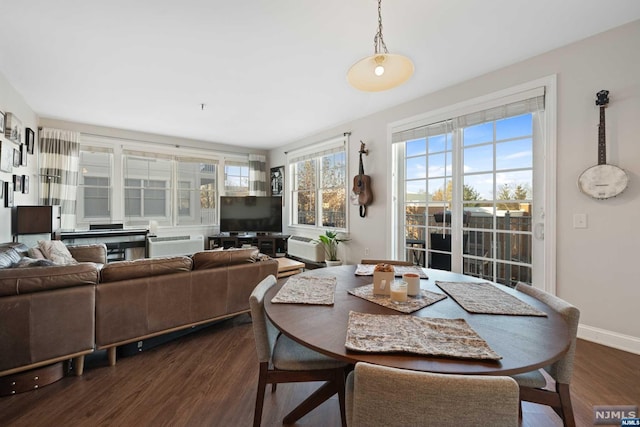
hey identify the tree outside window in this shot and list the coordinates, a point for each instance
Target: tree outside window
(319, 190)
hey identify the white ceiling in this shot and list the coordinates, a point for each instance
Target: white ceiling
(269, 71)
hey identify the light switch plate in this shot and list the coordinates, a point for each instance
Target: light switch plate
(580, 220)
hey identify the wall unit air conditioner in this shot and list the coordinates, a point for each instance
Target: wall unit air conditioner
(180, 245)
(305, 248)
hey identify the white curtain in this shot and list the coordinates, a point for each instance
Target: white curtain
(58, 169)
(257, 175)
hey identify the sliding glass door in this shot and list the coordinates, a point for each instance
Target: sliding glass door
(468, 190)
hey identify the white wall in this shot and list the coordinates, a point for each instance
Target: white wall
(11, 101)
(144, 137)
(596, 268)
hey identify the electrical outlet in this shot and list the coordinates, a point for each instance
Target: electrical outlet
(366, 251)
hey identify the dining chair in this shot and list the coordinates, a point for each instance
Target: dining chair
(380, 396)
(533, 385)
(386, 261)
(282, 360)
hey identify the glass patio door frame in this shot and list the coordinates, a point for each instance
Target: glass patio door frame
(544, 179)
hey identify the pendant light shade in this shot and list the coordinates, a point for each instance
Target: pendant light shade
(382, 70)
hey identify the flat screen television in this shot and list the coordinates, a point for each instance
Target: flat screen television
(253, 214)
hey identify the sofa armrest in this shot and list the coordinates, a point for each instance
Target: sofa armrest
(41, 326)
(89, 253)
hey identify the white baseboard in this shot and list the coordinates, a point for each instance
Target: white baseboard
(610, 339)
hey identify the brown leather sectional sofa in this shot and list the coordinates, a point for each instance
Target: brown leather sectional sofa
(54, 313)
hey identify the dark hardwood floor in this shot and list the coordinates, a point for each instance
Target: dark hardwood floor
(209, 378)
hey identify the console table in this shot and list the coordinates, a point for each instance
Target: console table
(273, 244)
(288, 267)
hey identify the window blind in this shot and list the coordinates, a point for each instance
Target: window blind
(514, 105)
(334, 145)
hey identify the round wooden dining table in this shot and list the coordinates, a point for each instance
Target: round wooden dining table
(525, 343)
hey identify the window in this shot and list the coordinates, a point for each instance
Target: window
(147, 189)
(466, 193)
(96, 196)
(140, 183)
(236, 178)
(319, 185)
(197, 193)
(95, 186)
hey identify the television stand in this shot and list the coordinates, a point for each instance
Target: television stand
(275, 244)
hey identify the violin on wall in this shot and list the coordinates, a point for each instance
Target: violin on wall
(361, 193)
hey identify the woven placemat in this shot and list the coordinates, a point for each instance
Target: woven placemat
(485, 298)
(375, 333)
(413, 303)
(307, 290)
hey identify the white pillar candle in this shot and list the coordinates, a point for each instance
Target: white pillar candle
(399, 292)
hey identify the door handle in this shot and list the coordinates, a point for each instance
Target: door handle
(538, 231)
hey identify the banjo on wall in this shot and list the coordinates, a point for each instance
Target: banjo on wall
(602, 181)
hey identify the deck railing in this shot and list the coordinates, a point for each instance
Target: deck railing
(498, 251)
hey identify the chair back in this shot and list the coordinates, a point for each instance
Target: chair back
(383, 396)
(561, 370)
(386, 261)
(264, 332)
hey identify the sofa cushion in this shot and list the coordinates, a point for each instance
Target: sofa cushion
(36, 253)
(93, 252)
(21, 248)
(8, 257)
(123, 270)
(212, 259)
(56, 251)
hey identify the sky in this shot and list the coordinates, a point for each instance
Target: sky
(511, 138)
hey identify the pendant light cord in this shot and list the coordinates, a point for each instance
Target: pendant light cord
(378, 41)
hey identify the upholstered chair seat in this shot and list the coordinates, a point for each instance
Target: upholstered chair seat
(533, 385)
(282, 360)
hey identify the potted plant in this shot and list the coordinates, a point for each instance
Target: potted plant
(329, 241)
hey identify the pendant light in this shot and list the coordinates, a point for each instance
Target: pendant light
(382, 70)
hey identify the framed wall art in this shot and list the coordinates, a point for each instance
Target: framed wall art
(6, 156)
(30, 139)
(13, 129)
(25, 184)
(23, 154)
(16, 158)
(277, 181)
(17, 183)
(8, 194)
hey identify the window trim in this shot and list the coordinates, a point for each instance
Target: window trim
(547, 217)
(119, 147)
(315, 151)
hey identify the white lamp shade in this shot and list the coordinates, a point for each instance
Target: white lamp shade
(397, 70)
